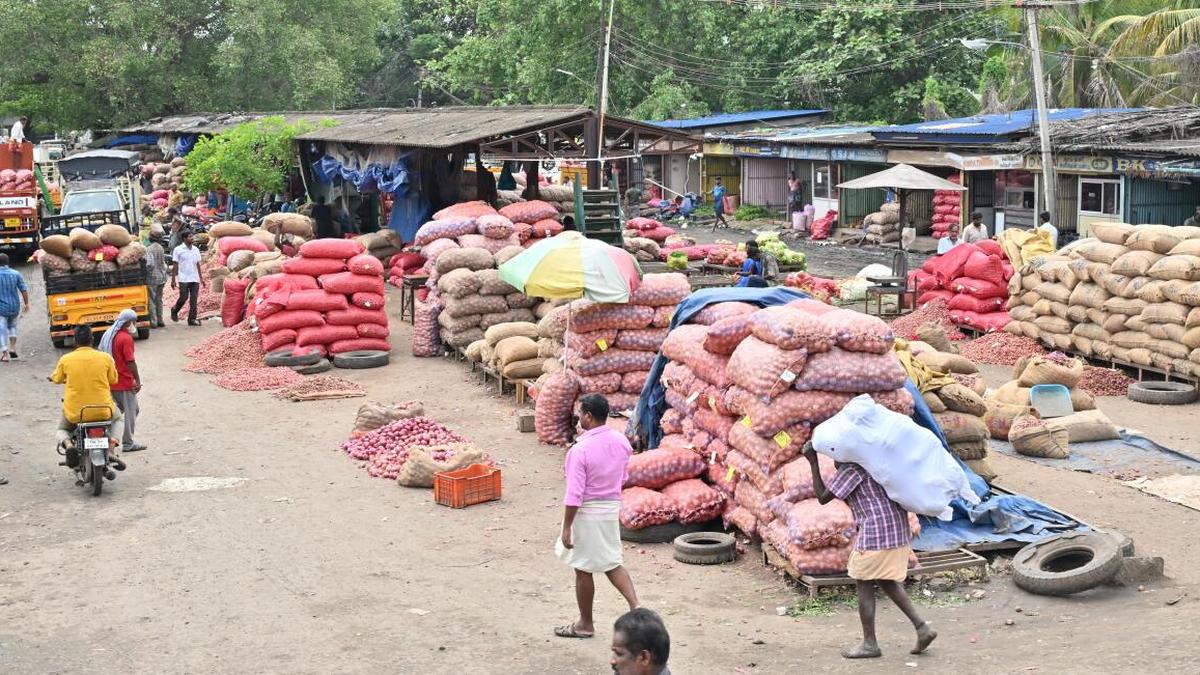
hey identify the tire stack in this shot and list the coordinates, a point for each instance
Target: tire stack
(327, 302)
(1130, 294)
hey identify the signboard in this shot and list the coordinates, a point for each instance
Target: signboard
(990, 162)
(17, 203)
(1073, 163)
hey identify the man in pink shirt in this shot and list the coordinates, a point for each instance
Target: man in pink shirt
(591, 532)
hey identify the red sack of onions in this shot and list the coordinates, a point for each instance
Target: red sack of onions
(858, 332)
(552, 412)
(696, 502)
(722, 310)
(658, 290)
(725, 335)
(791, 328)
(644, 340)
(763, 368)
(851, 372)
(814, 525)
(642, 508)
(769, 453)
(660, 467)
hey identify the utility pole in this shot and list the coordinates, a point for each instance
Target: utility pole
(1039, 89)
(602, 92)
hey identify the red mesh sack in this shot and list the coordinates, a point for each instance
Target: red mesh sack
(443, 228)
(587, 316)
(797, 477)
(714, 423)
(791, 328)
(407, 260)
(373, 330)
(749, 497)
(324, 335)
(494, 226)
(645, 339)
(696, 502)
(365, 263)
(722, 310)
(546, 227)
(348, 283)
(621, 401)
(662, 317)
(897, 400)
(685, 344)
(660, 234)
(678, 377)
(769, 453)
(786, 410)
(313, 267)
(279, 339)
(852, 372)
(990, 247)
(436, 248)
(660, 290)
(342, 249)
(352, 316)
(294, 319)
(642, 223)
(227, 245)
(722, 478)
(552, 412)
(291, 282)
(742, 519)
(633, 383)
(814, 525)
(316, 299)
(426, 337)
(528, 212)
(642, 508)
(662, 466)
(233, 306)
(359, 344)
(858, 332)
(589, 344)
(465, 210)
(367, 300)
(725, 335)
(765, 369)
(671, 422)
(607, 383)
(611, 361)
(488, 244)
(980, 265)
(826, 560)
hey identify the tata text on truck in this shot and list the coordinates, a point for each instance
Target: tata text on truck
(19, 208)
(97, 190)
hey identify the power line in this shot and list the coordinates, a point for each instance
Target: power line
(896, 5)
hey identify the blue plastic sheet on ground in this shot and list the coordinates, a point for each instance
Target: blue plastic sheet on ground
(653, 401)
(997, 518)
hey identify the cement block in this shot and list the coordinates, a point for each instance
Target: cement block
(1139, 570)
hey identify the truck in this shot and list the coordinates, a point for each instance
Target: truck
(97, 191)
(19, 207)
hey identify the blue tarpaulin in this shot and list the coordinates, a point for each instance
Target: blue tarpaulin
(997, 518)
(410, 208)
(184, 144)
(132, 139)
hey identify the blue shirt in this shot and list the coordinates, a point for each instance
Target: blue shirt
(718, 193)
(11, 284)
(750, 268)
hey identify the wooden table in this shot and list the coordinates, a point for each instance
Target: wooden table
(408, 296)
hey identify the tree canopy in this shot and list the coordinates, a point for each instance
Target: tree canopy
(249, 159)
(106, 63)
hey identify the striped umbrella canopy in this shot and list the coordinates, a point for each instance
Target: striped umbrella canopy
(570, 265)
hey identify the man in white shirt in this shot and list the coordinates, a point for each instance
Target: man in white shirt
(975, 230)
(187, 277)
(949, 241)
(1045, 226)
(17, 135)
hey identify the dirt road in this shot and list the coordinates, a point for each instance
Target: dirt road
(308, 565)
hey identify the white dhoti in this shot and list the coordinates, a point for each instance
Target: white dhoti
(596, 536)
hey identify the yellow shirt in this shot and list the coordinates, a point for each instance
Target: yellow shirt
(89, 375)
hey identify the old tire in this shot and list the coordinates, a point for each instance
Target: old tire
(705, 548)
(658, 534)
(1162, 393)
(367, 358)
(1067, 563)
(284, 358)
(318, 367)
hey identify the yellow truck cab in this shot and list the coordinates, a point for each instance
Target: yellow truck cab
(93, 297)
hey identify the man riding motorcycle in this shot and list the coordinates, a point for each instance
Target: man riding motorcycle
(88, 375)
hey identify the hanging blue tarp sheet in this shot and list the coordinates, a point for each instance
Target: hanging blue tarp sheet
(997, 518)
(184, 144)
(132, 139)
(394, 179)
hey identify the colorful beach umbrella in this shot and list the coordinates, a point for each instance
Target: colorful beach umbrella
(570, 265)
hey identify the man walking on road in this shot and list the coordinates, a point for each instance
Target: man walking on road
(186, 276)
(718, 193)
(591, 532)
(14, 301)
(117, 342)
(156, 278)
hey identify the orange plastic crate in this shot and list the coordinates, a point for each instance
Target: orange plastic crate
(474, 484)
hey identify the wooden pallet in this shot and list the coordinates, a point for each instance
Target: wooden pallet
(930, 562)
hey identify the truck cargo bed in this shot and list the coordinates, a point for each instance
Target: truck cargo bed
(91, 281)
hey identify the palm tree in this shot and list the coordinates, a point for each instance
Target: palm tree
(1170, 34)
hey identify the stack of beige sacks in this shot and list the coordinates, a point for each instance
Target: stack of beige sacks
(958, 407)
(474, 298)
(1011, 417)
(107, 249)
(1130, 293)
(883, 226)
(512, 350)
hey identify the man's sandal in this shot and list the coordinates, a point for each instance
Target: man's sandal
(568, 631)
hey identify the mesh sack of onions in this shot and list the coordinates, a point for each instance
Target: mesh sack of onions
(656, 290)
(426, 340)
(662, 466)
(722, 479)
(642, 507)
(853, 372)
(589, 344)
(490, 283)
(766, 484)
(490, 245)
(646, 339)
(765, 369)
(685, 344)
(529, 212)
(792, 328)
(769, 453)
(814, 525)
(494, 226)
(662, 317)
(724, 335)
(587, 316)
(748, 496)
(470, 210)
(611, 361)
(446, 228)
(695, 501)
(605, 383)
(459, 283)
(858, 332)
(826, 560)
(722, 310)
(742, 519)
(552, 412)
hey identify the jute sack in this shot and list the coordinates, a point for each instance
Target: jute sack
(999, 417)
(474, 350)
(1176, 290)
(500, 331)
(948, 363)
(965, 450)
(1141, 356)
(1152, 292)
(1087, 426)
(1101, 252)
(1033, 437)
(1135, 263)
(524, 369)
(1112, 233)
(1101, 349)
(935, 404)
(1053, 324)
(420, 468)
(934, 335)
(1157, 238)
(1055, 292)
(1060, 341)
(960, 399)
(515, 348)
(1183, 267)
(1187, 247)
(1165, 312)
(1041, 370)
(1081, 345)
(1077, 313)
(959, 427)
(1170, 348)
(983, 468)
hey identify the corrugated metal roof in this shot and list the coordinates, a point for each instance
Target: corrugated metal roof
(983, 128)
(736, 118)
(213, 123)
(834, 135)
(442, 127)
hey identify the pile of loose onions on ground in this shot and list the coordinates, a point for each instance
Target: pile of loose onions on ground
(397, 437)
(233, 347)
(1104, 382)
(935, 311)
(1001, 349)
(258, 378)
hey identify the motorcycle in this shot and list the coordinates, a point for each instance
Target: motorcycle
(86, 452)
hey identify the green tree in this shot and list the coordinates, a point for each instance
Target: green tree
(248, 160)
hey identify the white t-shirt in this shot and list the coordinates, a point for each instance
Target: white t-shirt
(187, 261)
(945, 244)
(973, 233)
(1047, 227)
(18, 132)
